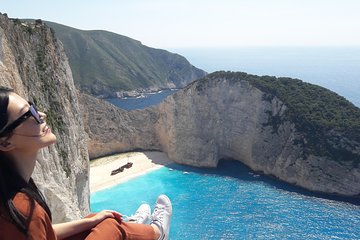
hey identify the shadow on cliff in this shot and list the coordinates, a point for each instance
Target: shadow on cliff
(236, 169)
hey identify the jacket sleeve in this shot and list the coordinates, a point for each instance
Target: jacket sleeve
(40, 227)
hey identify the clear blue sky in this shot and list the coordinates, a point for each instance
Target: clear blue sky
(206, 23)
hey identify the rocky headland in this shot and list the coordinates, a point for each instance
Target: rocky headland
(106, 64)
(259, 121)
(34, 64)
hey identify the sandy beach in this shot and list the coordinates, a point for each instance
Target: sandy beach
(142, 162)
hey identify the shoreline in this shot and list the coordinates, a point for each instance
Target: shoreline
(143, 162)
(136, 93)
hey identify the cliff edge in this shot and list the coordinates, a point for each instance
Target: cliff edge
(34, 64)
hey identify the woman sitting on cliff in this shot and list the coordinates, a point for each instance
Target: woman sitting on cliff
(24, 213)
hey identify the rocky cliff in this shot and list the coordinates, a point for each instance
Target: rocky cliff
(238, 116)
(34, 64)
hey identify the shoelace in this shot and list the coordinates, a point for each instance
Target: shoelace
(156, 215)
(140, 215)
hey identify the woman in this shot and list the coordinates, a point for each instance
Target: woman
(24, 213)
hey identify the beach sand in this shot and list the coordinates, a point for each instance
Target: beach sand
(143, 162)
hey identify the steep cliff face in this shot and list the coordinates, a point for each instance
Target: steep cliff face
(111, 130)
(33, 63)
(217, 118)
(222, 118)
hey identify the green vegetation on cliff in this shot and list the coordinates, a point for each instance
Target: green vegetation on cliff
(329, 122)
(103, 62)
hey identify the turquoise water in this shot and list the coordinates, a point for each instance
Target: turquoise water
(232, 202)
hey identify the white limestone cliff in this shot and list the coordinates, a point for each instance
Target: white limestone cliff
(219, 118)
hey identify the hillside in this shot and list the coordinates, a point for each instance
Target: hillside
(103, 62)
(321, 115)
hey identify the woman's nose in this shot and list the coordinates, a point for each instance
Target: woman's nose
(42, 115)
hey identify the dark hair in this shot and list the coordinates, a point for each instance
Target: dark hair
(11, 182)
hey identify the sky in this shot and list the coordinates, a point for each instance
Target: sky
(205, 23)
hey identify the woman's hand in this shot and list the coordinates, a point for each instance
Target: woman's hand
(64, 230)
(100, 216)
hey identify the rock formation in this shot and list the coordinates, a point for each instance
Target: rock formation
(34, 64)
(223, 117)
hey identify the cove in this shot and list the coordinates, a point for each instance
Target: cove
(232, 202)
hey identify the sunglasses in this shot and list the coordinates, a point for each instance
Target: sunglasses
(31, 113)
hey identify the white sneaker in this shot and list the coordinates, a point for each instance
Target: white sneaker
(162, 215)
(142, 215)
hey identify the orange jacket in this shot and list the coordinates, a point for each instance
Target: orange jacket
(40, 227)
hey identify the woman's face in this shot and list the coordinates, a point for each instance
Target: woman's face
(29, 135)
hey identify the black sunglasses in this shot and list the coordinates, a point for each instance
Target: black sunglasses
(31, 113)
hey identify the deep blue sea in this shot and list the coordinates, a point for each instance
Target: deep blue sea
(145, 100)
(337, 69)
(233, 202)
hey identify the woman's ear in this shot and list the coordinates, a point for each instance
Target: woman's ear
(6, 146)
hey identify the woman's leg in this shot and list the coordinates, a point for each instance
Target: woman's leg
(113, 230)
